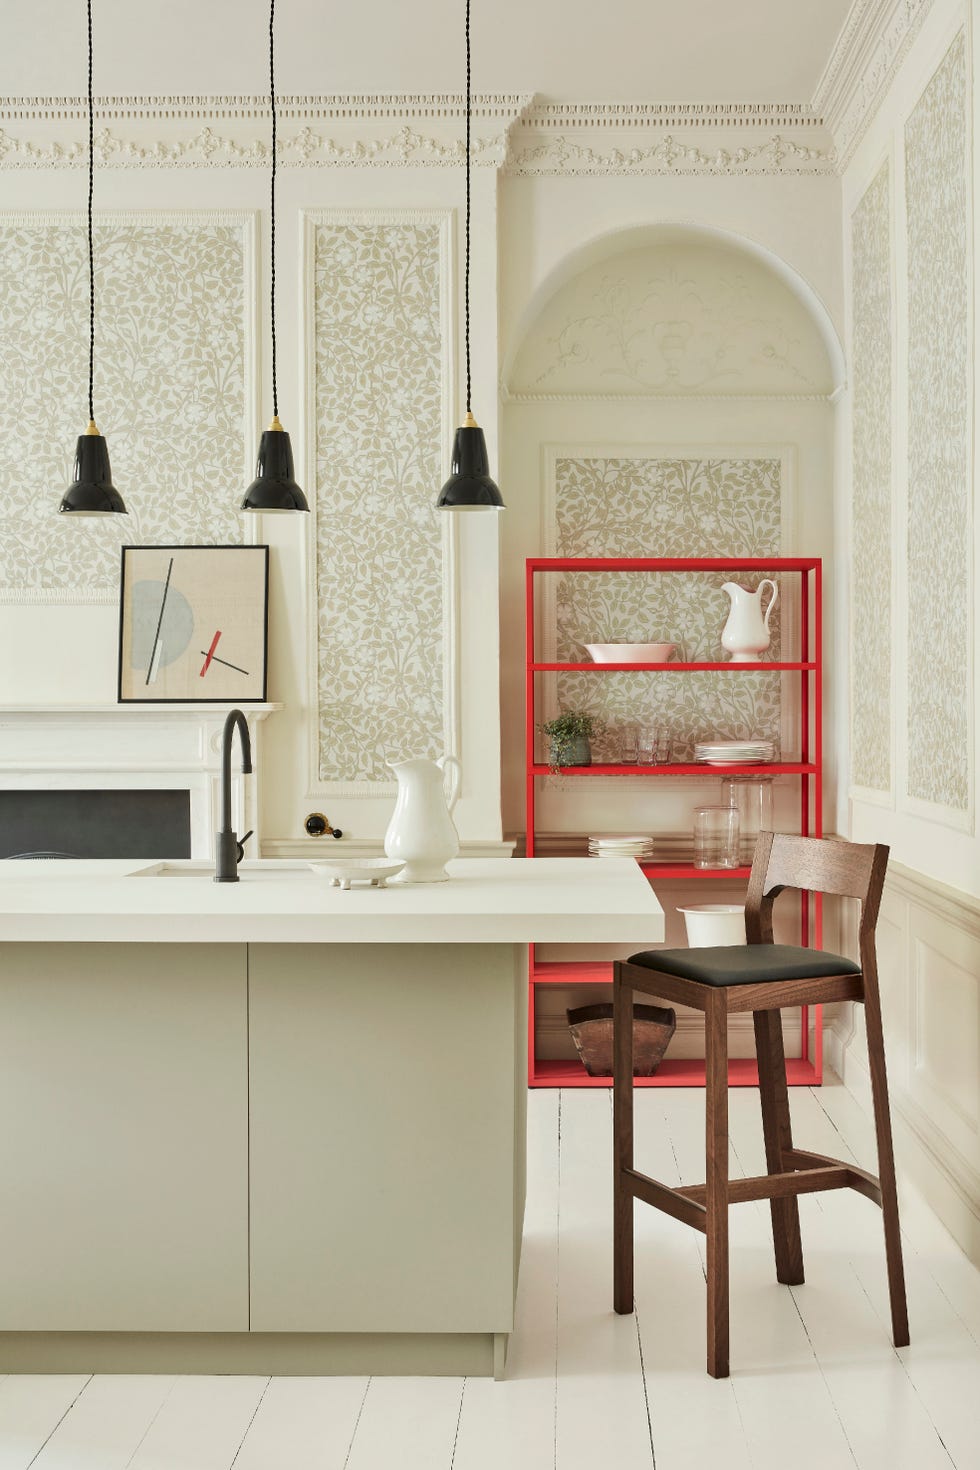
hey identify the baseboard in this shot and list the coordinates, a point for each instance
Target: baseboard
(947, 1180)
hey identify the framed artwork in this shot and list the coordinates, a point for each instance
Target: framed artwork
(193, 624)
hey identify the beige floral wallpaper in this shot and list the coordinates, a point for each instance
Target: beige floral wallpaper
(939, 521)
(664, 507)
(172, 385)
(378, 400)
(871, 509)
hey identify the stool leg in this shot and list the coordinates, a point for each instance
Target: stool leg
(886, 1161)
(777, 1131)
(716, 1179)
(622, 1143)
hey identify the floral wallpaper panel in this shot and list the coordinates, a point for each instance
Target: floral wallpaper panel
(378, 400)
(171, 391)
(939, 525)
(871, 509)
(665, 507)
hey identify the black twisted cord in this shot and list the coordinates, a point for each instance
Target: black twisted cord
(466, 289)
(272, 251)
(91, 253)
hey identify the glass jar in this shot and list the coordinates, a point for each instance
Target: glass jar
(751, 797)
(716, 837)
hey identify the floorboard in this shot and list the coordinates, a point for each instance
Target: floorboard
(201, 1424)
(303, 1424)
(31, 1407)
(512, 1423)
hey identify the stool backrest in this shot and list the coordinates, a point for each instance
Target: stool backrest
(824, 865)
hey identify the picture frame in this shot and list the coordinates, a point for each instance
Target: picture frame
(193, 625)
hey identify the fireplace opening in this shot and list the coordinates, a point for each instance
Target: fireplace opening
(139, 824)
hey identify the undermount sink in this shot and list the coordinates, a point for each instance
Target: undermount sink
(258, 871)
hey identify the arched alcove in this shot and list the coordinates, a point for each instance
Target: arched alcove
(673, 309)
(669, 391)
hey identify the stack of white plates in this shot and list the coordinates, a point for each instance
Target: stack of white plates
(733, 752)
(621, 847)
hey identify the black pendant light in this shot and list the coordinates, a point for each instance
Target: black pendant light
(469, 487)
(274, 488)
(91, 492)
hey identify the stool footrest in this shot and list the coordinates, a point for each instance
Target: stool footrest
(673, 1202)
(810, 1174)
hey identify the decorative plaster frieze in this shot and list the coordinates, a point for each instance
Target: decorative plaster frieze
(207, 148)
(874, 40)
(525, 137)
(669, 155)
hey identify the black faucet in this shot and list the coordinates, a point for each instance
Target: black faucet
(229, 851)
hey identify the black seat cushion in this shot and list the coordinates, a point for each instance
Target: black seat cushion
(745, 964)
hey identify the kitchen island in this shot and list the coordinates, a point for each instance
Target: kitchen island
(273, 1126)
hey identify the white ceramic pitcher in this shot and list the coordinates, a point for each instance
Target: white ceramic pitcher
(746, 634)
(421, 832)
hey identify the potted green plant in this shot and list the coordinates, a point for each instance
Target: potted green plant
(569, 734)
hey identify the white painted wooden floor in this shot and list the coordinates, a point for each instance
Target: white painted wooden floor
(815, 1381)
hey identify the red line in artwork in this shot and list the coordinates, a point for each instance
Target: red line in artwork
(210, 653)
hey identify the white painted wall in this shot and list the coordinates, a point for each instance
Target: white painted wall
(928, 949)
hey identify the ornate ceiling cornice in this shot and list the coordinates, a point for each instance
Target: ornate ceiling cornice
(874, 40)
(518, 133)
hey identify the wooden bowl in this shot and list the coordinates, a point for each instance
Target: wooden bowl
(592, 1033)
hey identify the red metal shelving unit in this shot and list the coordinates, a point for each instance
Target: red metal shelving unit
(807, 1069)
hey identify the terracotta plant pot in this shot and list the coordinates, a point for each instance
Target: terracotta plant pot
(592, 1033)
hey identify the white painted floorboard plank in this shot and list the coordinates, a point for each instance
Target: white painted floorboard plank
(602, 1411)
(303, 1424)
(854, 1354)
(696, 1422)
(104, 1426)
(943, 1361)
(31, 1407)
(781, 1395)
(407, 1422)
(512, 1423)
(201, 1424)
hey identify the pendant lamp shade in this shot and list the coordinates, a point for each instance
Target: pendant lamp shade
(470, 487)
(91, 492)
(274, 488)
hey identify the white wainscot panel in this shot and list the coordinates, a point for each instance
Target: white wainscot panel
(945, 1076)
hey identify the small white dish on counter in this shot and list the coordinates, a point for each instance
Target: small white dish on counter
(630, 653)
(345, 871)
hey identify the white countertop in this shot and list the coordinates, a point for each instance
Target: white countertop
(486, 901)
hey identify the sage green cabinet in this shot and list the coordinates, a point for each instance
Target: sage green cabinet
(124, 1145)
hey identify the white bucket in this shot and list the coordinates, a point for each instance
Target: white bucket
(714, 923)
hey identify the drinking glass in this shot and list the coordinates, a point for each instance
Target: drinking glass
(646, 750)
(716, 837)
(628, 745)
(664, 749)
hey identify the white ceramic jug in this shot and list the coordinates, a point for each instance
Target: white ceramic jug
(421, 832)
(746, 634)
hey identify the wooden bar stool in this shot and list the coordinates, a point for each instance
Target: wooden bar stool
(760, 977)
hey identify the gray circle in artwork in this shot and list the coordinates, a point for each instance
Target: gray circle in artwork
(176, 628)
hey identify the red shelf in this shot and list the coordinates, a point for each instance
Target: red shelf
(689, 1072)
(688, 870)
(672, 564)
(805, 677)
(686, 768)
(593, 668)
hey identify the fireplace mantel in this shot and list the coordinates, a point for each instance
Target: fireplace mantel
(113, 746)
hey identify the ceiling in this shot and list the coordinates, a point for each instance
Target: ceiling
(620, 50)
